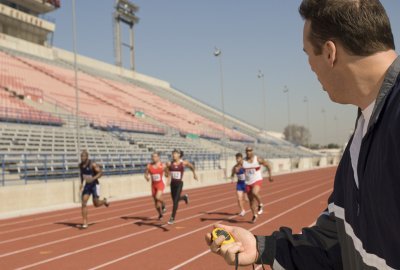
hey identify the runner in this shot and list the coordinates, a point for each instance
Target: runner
(241, 183)
(252, 165)
(176, 169)
(90, 173)
(155, 172)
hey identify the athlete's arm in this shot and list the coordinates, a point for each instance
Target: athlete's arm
(99, 173)
(147, 174)
(191, 167)
(167, 173)
(268, 166)
(233, 173)
(82, 180)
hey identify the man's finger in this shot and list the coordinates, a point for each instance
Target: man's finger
(208, 238)
(216, 244)
(225, 227)
(231, 251)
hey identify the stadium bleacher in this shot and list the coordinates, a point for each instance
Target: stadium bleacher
(122, 120)
(42, 152)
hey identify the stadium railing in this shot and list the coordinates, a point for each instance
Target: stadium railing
(23, 168)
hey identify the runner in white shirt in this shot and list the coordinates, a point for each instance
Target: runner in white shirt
(253, 168)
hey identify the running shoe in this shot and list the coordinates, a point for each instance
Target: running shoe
(242, 214)
(171, 221)
(163, 209)
(84, 226)
(106, 203)
(260, 209)
(254, 219)
(186, 198)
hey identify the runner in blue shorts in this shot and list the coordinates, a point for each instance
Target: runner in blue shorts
(90, 173)
(241, 184)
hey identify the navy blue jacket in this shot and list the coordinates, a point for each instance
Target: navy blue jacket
(361, 227)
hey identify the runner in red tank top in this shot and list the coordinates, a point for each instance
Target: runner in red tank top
(175, 170)
(155, 173)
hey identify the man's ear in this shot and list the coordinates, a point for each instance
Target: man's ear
(330, 53)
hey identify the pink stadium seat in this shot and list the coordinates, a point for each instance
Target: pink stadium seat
(103, 101)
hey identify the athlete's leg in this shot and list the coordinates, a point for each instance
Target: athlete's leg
(256, 194)
(240, 197)
(184, 197)
(85, 199)
(252, 203)
(158, 202)
(176, 189)
(96, 197)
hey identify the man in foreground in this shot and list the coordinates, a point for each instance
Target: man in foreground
(350, 47)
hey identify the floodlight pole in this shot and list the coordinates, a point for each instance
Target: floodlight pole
(260, 75)
(306, 101)
(286, 90)
(78, 144)
(323, 111)
(218, 54)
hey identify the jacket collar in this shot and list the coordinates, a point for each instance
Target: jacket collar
(387, 86)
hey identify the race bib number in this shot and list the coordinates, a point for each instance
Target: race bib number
(156, 177)
(241, 177)
(86, 176)
(250, 171)
(176, 175)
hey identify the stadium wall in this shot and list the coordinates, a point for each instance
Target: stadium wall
(23, 46)
(19, 199)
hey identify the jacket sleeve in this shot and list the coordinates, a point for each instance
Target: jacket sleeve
(315, 248)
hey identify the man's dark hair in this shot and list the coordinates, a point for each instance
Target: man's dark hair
(239, 155)
(361, 26)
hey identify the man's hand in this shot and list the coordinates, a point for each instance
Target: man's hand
(245, 244)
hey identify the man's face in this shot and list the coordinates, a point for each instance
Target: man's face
(321, 65)
(176, 155)
(155, 158)
(84, 156)
(249, 152)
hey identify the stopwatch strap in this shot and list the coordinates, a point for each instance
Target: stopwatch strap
(237, 261)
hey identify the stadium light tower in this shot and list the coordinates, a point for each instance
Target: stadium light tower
(125, 13)
(306, 101)
(335, 118)
(77, 128)
(260, 75)
(323, 111)
(218, 54)
(286, 90)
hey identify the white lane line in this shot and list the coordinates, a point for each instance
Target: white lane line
(99, 231)
(193, 231)
(193, 192)
(253, 228)
(134, 213)
(118, 204)
(105, 213)
(136, 233)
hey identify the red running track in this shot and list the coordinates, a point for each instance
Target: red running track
(128, 236)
